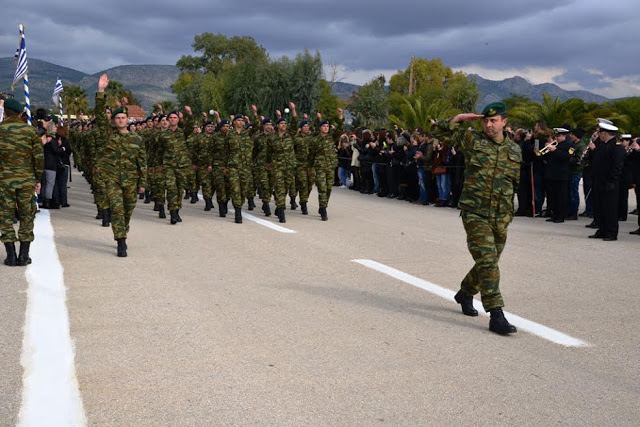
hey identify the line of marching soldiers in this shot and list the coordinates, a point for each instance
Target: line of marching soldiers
(233, 159)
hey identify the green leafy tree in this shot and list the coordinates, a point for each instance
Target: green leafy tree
(328, 103)
(369, 105)
(414, 114)
(461, 92)
(115, 91)
(75, 100)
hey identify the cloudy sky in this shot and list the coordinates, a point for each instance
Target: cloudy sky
(577, 44)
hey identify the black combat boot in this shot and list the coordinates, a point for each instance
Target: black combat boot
(281, 216)
(156, 206)
(194, 197)
(173, 216)
(11, 260)
(122, 247)
(100, 213)
(147, 197)
(466, 301)
(294, 205)
(499, 324)
(208, 204)
(238, 215)
(303, 208)
(140, 196)
(23, 258)
(186, 194)
(266, 209)
(250, 203)
(323, 213)
(106, 217)
(178, 215)
(161, 213)
(222, 210)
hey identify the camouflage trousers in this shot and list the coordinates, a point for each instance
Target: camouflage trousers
(263, 180)
(123, 196)
(205, 178)
(100, 190)
(284, 181)
(240, 183)
(176, 180)
(194, 181)
(156, 185)
(324, 183)
(24, 198)
(303, 183)
(220, 184)
(485, 239)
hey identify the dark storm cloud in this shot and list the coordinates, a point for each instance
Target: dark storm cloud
(571, 35)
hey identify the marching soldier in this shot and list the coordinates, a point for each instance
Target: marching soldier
(261, 177)
(238, 162)
(301, 143)
(491, 177)
(21, 165)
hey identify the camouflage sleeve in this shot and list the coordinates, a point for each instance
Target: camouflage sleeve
(141, 164)
(457, 136)
(339, 129)
(293, 127)
(189, 121)
(160, 148)
(313, 148)
(37, 156)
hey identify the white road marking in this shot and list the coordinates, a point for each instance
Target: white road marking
(50, 394)
(267, 223)
(523, 324)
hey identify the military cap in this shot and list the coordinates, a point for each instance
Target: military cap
(13, 105)
(562, 131)
(174, 112)
(117, 111)
(207, 123)
(323, 122)
(495, 109)
(223, 122)
(280, 120)
(625, 136)
(266, 120)
(238, 117)
(303, 122)
(607, 127)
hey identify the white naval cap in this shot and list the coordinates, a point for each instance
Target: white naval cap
(561, 130)
(625, 136)
(607, 126)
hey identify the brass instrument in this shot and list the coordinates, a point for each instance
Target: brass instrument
(546, 148)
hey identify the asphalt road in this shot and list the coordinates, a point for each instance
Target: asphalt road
(213, 323)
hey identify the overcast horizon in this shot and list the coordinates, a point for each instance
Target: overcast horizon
(577, 45)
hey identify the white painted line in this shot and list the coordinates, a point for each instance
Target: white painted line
(50, 393)
(267, 223)
(524, 324)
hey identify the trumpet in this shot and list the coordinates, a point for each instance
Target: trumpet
(546, 148)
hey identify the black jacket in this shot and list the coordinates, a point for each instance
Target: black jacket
(557, 167)
(607, 163)
(52, 152)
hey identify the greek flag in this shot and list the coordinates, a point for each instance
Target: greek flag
(21, 57)
(57, 90)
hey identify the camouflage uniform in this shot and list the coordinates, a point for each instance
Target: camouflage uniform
(193, 148)
(219, 154)
(301, 148)
(176, 162)
(261, 177)
(202, 159)
(282, 160)
(96, 152)
(492, 172)
(239, 166)
(324, 159)
(124, 169)
(21, 165)
(156, 178)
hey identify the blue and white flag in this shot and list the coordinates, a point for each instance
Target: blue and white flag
(21, 57)
(57, 90)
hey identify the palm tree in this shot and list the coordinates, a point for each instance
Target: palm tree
(413, 114)
(75, 100)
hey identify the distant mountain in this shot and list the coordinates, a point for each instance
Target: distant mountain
(152, 84)
(492, 91)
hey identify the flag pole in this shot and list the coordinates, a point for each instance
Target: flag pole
(26, 80)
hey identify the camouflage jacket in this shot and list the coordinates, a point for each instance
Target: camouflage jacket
(260, 142)
(123, 157)
(172, 149)
(240, 149)
(280, 152)
(322, 149)
(492, 169)
(21, 154)
(301, 148)
(219, 150)
(202, 149)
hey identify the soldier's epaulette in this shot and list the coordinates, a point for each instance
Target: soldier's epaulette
(618, 143)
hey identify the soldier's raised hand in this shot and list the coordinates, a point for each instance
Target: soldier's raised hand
(465, 117)
(319, 116)
(278, 114)
(103, 82)
(204, 115)
(305, 116)
(254, 108)
(340, 113)
(124, 101)
(188, 110)
(160, 107)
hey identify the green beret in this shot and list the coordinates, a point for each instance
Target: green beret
(13, 105)
(494, 109)
(117, 111)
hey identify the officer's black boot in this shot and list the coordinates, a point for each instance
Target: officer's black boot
(266, 209)
(226, 207)
(156, 206)
(23, 258)
(11, 260)
(466, 301)
(122, 247)
(323, 213)
(178, 215)
(100, 213)
(221, 209)
(281, 216)
(294, 205)
(106, 218)
(173, 216)
(161, 213)
(194, 197)
(208, 204)
(186, 194)
(147, 197)
(303, 208)
(238, 215)
(499, 324)
(250, 203)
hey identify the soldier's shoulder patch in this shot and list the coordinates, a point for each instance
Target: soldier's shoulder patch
(618, 143)
(572, 150)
